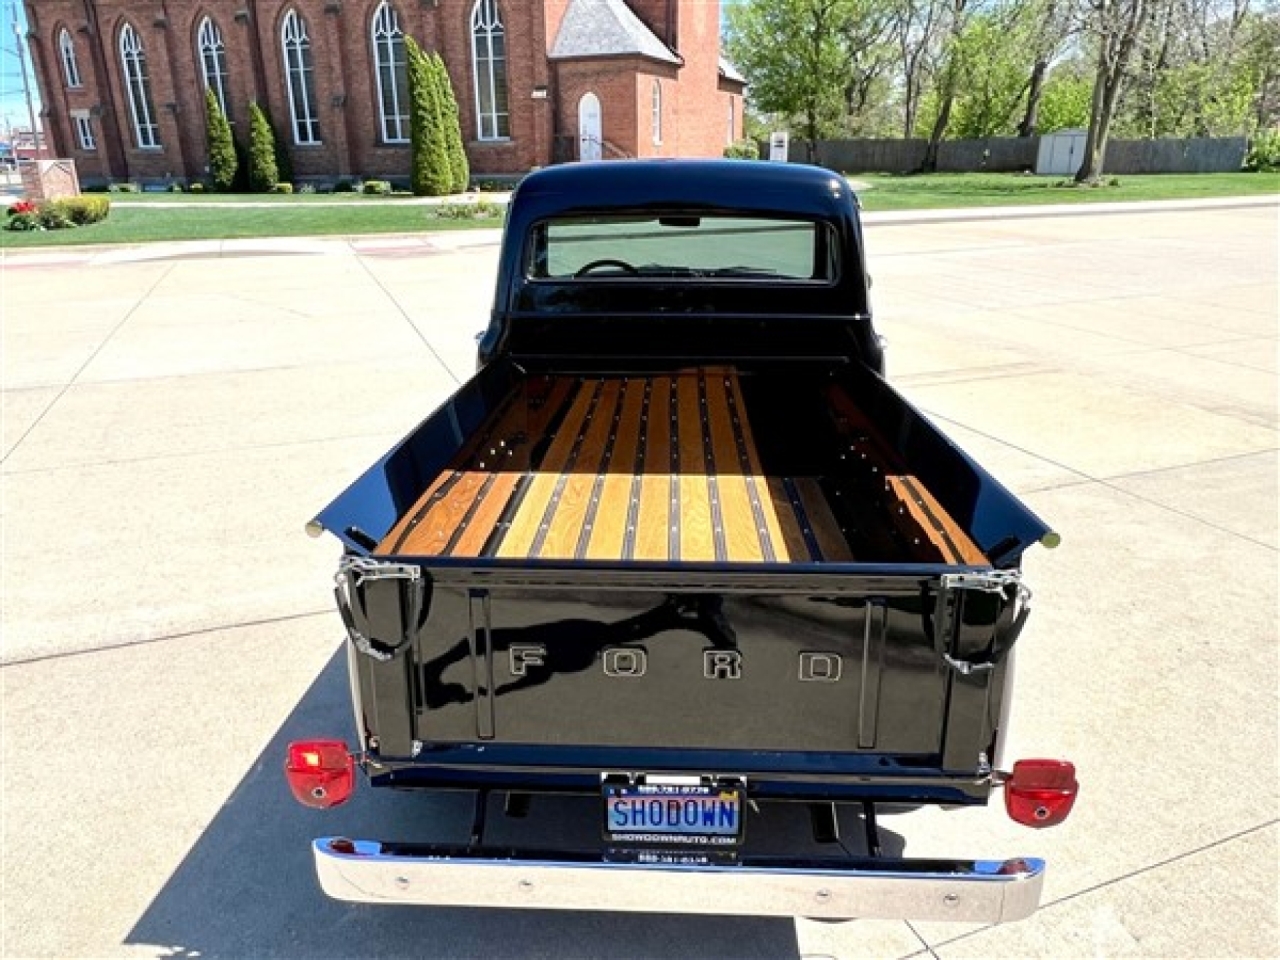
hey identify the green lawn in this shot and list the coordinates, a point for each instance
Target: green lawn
(949, 190)
(141, 224)
(147, 217)
(160, 199)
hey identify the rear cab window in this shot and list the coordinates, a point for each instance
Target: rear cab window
(682, 246)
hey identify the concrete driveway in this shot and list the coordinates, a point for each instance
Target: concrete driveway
(173, 416)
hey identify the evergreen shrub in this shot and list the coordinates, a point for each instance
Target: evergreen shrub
(223, 162)
(431, 175)
(264, 173)
(459, 168)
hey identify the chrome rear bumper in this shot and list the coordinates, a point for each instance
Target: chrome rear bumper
(981, 891)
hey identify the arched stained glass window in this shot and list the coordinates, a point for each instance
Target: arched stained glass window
(67, 50)
(133, 61)
(299, 74)
(390, 72)
(213, 60)
(489, 60)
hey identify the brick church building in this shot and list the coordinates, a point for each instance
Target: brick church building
(537, 81)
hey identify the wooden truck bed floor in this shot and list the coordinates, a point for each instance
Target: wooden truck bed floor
(624, 468)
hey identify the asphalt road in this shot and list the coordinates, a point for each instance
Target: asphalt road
(172, 416)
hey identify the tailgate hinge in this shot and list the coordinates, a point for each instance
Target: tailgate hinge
(382, 633)
(1009, 623)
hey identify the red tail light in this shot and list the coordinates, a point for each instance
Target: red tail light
(321, 773)
(1040, 793)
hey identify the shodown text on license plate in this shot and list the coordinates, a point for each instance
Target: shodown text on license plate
(672, 813)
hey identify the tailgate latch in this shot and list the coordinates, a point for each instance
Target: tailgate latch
(1009, 623)
(382, 604)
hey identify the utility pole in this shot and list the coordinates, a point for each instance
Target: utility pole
(20, 48)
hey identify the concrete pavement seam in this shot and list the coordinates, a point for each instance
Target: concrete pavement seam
(405, 314)
(1067, 484)
(1106, 482)
(1199, 463)
(388, 438)
(183, 635)
(1248, 831)
(1190, 516)
(928, 950)
(93, 356)
(1084, 477)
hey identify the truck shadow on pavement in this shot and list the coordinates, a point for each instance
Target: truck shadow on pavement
(248, 889)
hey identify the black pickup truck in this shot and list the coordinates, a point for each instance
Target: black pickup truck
(680, 548)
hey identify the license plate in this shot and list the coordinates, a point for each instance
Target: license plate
(696, 811)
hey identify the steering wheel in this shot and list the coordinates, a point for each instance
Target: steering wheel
(622, 265)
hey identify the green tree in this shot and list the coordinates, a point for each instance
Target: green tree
(222, 159)
(430, 175)
(459, 169)
(1115, 26)
(997, 53)
(791, 52)
(1260, 39)
(264, 174)
(1064, 105)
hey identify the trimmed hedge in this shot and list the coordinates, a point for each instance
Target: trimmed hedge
(60, 214)
(743, 150)
(81, 210)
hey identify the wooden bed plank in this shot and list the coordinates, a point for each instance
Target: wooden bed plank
(560, 542)
(412, 531)
(822, 522)
(394, 541)
(432, 535)
(943, 532)
(743, 541)
(779, 517)
(782, 513)
(924, 510)
(652, 536)
(543, 404)
(524, 526)
(609, 533)
(486, 516)
(697, 537)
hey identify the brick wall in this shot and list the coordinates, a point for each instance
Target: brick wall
(667, 78)
(699, 114)
(346, 102)
(615, 81)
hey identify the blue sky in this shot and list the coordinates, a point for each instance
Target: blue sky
(13, 106)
